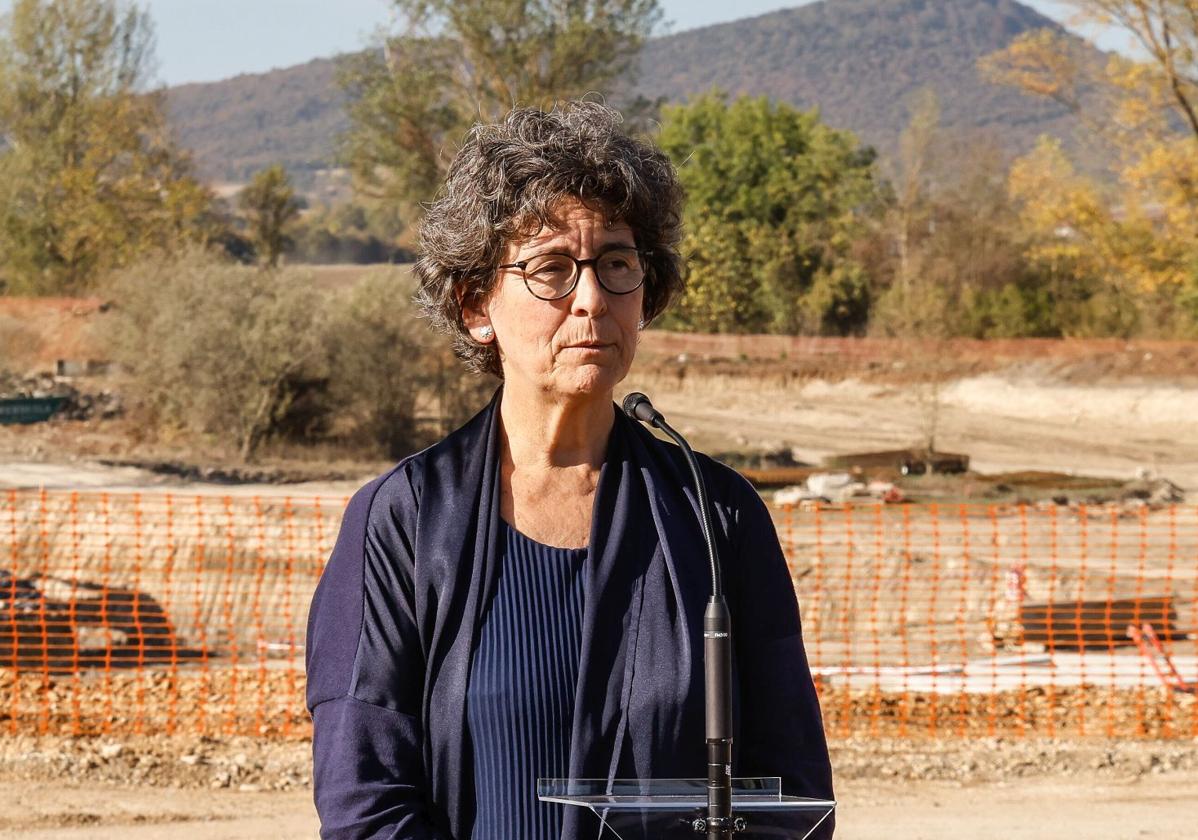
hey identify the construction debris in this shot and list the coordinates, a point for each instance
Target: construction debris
(76, 404)
(905, 461)
(837, 487)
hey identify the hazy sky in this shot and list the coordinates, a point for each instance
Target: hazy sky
(205, 40)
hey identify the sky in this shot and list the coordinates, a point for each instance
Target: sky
(207, 40)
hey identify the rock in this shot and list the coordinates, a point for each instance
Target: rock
(111, 750)
(833, 486)
(793, 495)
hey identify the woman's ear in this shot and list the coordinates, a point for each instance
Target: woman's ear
(476, 317)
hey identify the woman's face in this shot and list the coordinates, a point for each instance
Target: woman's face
(580, 345)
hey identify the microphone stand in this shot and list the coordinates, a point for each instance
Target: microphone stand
(719, 822)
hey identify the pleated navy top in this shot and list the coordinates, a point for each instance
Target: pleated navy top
(520, 699)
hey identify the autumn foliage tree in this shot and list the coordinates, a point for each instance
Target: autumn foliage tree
(89, 177)
(948, 257)
(1130, 244)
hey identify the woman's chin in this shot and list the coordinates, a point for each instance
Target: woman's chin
(589, 381)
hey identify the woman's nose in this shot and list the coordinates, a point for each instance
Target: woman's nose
(589, 296)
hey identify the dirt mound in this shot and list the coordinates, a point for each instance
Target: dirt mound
(901, 361)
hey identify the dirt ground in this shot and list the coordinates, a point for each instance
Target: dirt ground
(1112, 413)
(1099, 408)
(1047, 809)
(1005, 422)
(1004, 425)
(979, 790)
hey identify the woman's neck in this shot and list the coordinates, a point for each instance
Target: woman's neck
(555, 434)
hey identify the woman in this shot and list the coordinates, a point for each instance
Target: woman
(524, 599)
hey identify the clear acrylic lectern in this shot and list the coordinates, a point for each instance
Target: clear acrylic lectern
(666, 809)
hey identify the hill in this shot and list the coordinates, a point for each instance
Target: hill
(859, 61)
(237, 126)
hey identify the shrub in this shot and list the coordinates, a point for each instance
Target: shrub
(377, 364)
(245, 355)
(217, 348)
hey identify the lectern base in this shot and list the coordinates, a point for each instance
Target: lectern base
(666, 809)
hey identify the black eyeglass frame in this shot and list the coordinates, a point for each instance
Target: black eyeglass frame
(578, 266)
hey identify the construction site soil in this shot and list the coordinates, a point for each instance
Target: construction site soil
(985, 776)
(227, 788)
(1105, 408)
(1109, 409)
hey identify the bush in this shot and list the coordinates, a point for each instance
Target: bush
(245, 355)
(1012, 311)
(921, 310)
(389, 372)
(377, 364)
(217, 348)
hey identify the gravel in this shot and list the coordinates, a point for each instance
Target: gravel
(248, 765)
(973, 761)
(240, 763)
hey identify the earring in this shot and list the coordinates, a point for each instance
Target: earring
(486, 333)
(640, 325)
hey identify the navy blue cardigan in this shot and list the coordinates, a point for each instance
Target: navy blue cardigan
(395, 618)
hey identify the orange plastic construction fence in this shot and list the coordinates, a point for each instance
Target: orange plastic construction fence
(163, 613)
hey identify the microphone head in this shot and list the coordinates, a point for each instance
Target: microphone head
(637, 406)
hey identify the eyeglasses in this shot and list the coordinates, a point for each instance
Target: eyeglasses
(621, 271)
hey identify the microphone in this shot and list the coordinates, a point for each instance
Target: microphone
(638, 407)
(717, 648)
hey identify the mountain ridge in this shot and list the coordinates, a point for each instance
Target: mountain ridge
(858, 61)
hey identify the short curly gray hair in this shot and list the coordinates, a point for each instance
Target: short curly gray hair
(507, 182)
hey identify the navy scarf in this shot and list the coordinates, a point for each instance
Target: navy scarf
(396, 615)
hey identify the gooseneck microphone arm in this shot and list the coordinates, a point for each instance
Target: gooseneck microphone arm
(638, 407)
(717, 649)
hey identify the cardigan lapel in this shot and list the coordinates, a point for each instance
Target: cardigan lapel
(640, 683)
(640, 669)
(459, 524)
(620, 547)
(665, 708)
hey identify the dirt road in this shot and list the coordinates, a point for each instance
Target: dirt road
(1056, 406)
(1034, 809)
(1005, 423)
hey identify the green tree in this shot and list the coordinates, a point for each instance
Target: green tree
(349, 232)
(455, 62)
(270, 206)
(775, 200)
(89, 178)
